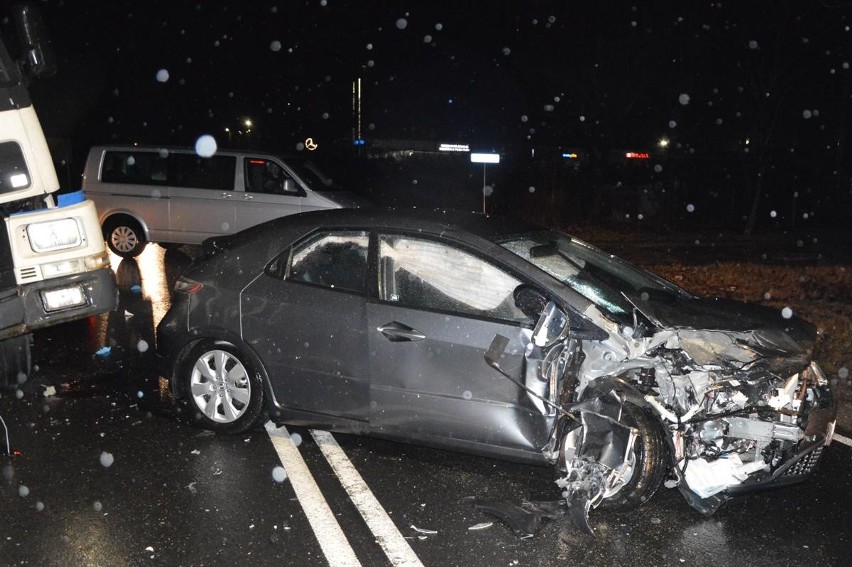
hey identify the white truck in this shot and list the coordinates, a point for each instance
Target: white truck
(53, 264)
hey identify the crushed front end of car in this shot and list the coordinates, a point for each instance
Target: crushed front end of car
(716, 397)
(723, 395)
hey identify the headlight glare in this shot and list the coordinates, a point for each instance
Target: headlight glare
(54, 235)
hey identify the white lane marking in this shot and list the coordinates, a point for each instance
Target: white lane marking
(387, 535)
(330, 535)
(845, 440)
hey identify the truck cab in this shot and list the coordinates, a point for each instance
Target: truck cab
(53, 263)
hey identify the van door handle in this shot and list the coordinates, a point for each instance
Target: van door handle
(248, 197)
(226, 195)
(397, 332)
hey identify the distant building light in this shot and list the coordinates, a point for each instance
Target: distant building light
(571, 155)
(485, 158)
(637, 155)
(664, 142)
(454, 148)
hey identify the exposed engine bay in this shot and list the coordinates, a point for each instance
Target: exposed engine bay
(733, 411)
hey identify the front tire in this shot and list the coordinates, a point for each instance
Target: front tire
(651, 460)
(124, 236)
(222, 388)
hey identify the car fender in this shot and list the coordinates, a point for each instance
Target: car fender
(222, 337)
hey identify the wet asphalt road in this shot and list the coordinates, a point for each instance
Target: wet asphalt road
(110, 472)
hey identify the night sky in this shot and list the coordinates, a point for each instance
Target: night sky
(492, 71)
(711, 77)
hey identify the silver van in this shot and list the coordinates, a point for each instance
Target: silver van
(171, 195)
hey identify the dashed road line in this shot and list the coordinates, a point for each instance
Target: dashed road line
(387, 535)
(842, 439)
(335, 546)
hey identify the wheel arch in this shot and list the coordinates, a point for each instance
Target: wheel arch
(221, 337)
(117, 213)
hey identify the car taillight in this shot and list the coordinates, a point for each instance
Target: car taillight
(188, 286)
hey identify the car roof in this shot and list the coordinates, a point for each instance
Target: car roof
(489, 227)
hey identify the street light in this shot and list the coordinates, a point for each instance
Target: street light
(664, 142)
(484, 159)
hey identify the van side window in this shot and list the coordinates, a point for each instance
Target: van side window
(267, 176)
(140, 168)
(215, 172)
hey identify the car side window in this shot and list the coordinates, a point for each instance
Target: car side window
(431, 275)
(331, 259)
(267, 176)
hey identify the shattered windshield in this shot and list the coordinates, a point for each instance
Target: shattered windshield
(601, 278)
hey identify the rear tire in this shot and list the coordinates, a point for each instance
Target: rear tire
(124, 236)
(221, 387)
(651, 460)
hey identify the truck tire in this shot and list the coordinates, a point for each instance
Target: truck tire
(15, 361)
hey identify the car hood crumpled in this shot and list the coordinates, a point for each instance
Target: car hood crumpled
(731, 333)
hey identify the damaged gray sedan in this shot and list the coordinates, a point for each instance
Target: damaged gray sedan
(493, 337)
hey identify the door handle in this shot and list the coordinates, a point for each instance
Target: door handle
(226, 195)
(396, 332)
(248, 197)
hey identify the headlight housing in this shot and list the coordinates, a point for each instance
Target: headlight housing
(54, 235)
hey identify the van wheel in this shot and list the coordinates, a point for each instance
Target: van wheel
(124, 236)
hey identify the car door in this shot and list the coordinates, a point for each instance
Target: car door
(438, 309)
(270, 192)
(201, 196)
(306, 319)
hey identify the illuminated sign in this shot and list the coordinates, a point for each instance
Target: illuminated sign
(637, 155)
(310, 144)
(485, 158)
(454, 148)
(571, 155)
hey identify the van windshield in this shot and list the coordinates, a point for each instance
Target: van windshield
(310, 173)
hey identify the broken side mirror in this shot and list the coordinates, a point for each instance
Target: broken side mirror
(530, 301)
(552, 326)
